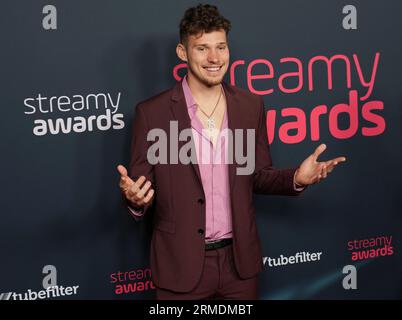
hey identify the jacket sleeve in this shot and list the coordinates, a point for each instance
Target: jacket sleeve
(267, 179)
(139, 165)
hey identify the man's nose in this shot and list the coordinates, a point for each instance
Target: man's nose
(213, 56)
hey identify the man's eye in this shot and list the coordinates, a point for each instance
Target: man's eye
(222, 48)
(200, 49)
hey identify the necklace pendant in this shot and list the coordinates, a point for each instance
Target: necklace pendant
(211, 124)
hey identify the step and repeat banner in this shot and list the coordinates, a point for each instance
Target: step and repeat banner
(71, 75)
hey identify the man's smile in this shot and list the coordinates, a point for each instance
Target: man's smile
(213, 69)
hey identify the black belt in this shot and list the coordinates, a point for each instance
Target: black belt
(218, 244)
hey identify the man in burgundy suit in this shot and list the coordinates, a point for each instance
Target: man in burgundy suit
(205, 242)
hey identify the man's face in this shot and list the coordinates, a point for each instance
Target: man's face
(207, 57)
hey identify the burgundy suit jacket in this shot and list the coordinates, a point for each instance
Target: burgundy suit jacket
(178, 238)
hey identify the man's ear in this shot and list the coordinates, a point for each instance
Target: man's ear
(181, 52)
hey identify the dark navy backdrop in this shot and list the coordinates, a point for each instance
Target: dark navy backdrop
(60, 201)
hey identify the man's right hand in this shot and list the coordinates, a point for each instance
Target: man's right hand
(139, 192)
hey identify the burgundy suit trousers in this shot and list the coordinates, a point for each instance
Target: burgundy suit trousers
(219, 280)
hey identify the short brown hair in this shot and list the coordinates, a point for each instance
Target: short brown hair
(202, 18)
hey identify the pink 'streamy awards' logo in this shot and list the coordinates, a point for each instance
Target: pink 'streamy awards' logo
(132, 281)
(363, 249)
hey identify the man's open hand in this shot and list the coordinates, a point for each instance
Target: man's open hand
(311, 171)
(137, 192)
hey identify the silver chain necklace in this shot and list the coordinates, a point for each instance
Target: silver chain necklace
(210, 121)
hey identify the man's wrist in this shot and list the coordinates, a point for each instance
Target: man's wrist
(299, 185)
(296, 184)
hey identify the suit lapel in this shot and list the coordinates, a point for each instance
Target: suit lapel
(180, 113)
(234, 122)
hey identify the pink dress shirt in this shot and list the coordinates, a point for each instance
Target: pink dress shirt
(214, 173)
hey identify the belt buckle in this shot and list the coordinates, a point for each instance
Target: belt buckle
(215, 244)
(212, 244)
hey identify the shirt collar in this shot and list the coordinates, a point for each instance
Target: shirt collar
(187, 94)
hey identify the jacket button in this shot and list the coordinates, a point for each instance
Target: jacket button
(201, 231)
(200, 201)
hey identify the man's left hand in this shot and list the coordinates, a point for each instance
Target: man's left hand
(311, 171)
